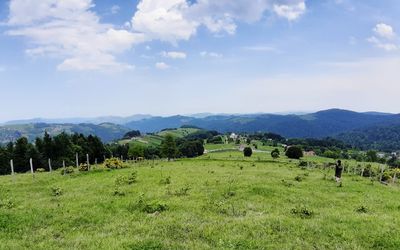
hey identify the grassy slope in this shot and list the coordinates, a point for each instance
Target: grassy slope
(226, 208)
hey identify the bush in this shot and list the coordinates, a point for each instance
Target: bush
(83, 167)
(40, 170)
(148, 207)
(275, 153)
(56, 191)
(113, 163)
(247, 152)
(302, 212)
(67, 170)
(362, 209)
(294, 152)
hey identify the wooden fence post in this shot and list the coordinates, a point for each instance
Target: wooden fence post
(31, 163)
(77, 160)
(12, 167)
(50, 169)
(382, 169)
(87, 161)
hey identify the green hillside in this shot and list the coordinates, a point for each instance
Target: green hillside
(106, 131)
(218, 201)
(156, 139)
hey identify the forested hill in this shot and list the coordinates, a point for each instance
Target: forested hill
(106, 131)
(314, 125)
(382, 138)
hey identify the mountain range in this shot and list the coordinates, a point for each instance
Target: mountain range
(342, 124)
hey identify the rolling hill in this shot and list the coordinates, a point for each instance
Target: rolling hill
(314, 125)
(106, 131)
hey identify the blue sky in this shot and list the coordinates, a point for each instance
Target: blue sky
(75, 58)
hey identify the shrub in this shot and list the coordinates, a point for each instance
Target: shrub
(67, 170)
(83, 167)
(362, 209)
(118, 192)
(303, 164)
(40, 170)
(132, 178)
(183, 191)
(247, 152)
(275, 153)
(298, 178)
(166, 181)
(56, 191)
(148, 207)
(113, 163)
(294, 152)
(302, 212)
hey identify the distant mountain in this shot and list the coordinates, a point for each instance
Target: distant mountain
(381, 138)
(79, 120)
(314, 125)
(106, 131)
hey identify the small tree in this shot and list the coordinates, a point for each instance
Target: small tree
(294, 152)
(168, 147)
(136, 151)
(247, 152)
(275, 153)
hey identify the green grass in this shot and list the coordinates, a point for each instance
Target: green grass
(218, 201)
(179, 133)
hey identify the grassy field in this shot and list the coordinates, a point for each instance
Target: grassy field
(217, 201)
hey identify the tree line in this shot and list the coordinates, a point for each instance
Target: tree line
(64, 147)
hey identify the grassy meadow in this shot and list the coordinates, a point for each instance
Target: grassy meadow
(218, 201)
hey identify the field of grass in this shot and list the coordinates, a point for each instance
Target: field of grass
(217, 201)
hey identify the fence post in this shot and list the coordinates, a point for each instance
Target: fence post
(12, 169)
(50, 169)
(64, 167)
(87, 161)
(77, 160)
(31, 163)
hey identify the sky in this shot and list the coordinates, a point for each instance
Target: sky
(87, 58)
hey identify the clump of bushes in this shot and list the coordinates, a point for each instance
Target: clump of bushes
(148, 207)
(113, 163)
(67, 170)
(362, 209)
(166, 181)
(303, 212)
(56, 191)
(122, 180)
(83, 167)
(275, 153)
(299, 178)
(294, 152)
(247, 152)
(40, 170)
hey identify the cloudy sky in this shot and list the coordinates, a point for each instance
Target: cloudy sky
(69, 58)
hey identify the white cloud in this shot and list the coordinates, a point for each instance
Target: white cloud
(69, 30)
(115, 9)
(290, 12)
(174, 54)
(382, 45)
(162, 66)
(210, 54)
(174, 20)
(385, 37)
(384, 30)
(164, 20)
